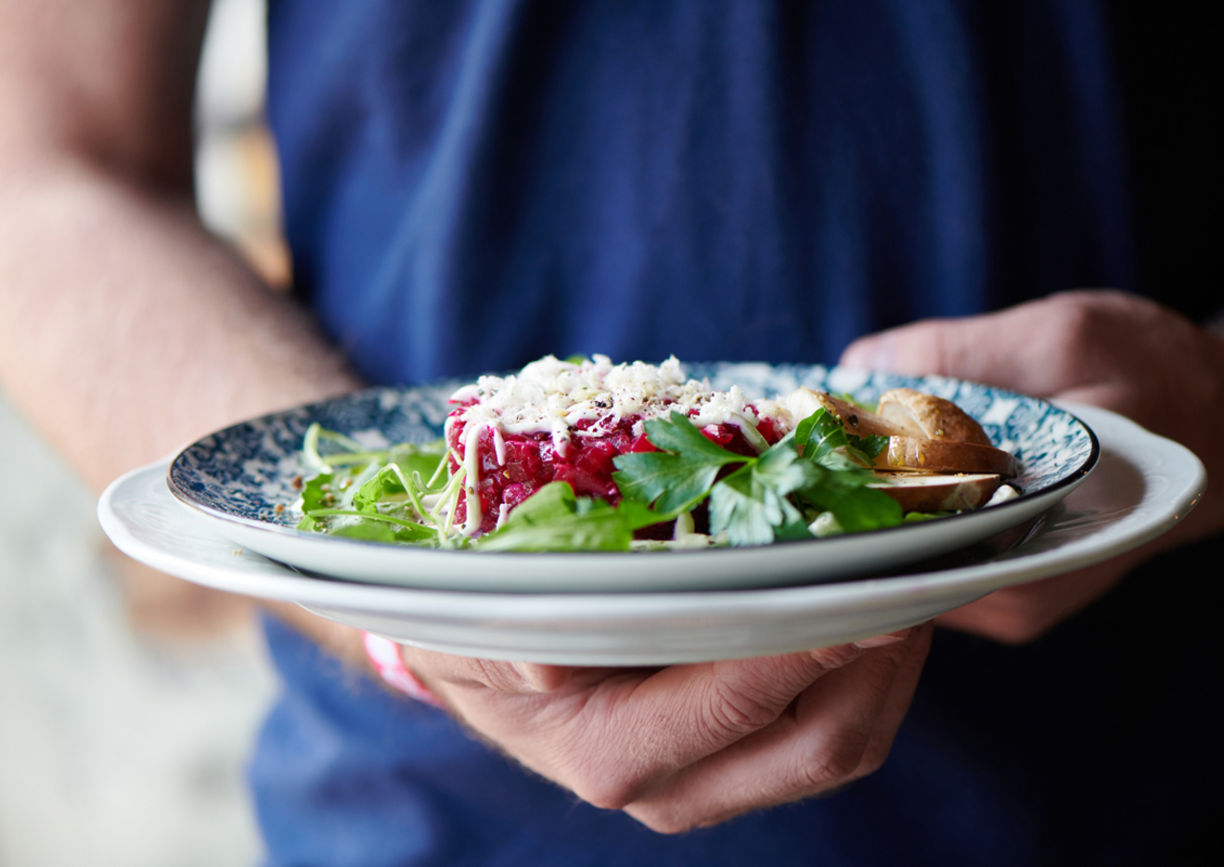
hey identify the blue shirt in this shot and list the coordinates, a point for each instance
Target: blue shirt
(472, 185)
(469, 186)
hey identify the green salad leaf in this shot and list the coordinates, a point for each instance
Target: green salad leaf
(678, 477)
(823, 439)
(554, 519)
(752, 506)
(377, 495)
(767, 498)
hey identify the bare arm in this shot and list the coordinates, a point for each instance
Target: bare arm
(127, 329)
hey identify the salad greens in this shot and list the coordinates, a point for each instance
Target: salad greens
(400, 494)
(812, 482)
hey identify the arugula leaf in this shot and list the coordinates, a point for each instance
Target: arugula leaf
(373, 531)
(842, 486)
(388, 481)
(372, 525)
(554, 519)
(680, 476)
(821, 434)
(369, 494)
(425, 459)
(317, 494)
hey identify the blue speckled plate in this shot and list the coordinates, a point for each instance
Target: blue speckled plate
(242, 477)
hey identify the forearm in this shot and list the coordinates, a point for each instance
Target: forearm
(129, 331)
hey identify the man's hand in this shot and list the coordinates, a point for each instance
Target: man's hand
(1109, 349)
(691, 745)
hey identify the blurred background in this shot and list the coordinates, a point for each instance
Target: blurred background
(129, 699)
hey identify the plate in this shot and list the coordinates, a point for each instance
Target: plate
(242, 478)
(1143, 486)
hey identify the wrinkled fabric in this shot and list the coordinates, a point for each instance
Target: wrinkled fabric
(470, 186)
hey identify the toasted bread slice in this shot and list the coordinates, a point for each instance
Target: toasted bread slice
(935, 492)
(945, 456)
(925, 433)
(802, 402)
(924, 415)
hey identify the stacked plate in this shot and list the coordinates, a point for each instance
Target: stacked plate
(220, 514)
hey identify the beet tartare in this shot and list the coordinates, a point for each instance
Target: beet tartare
(562, 421)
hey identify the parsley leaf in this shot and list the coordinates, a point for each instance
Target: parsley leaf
(751, 507)
(856, 506)
(678, 477)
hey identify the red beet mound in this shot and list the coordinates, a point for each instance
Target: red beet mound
(532, 461)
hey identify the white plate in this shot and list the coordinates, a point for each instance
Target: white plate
(1143, 486)
(241, 478)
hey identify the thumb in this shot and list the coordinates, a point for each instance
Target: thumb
(993, 348)
(928, 346)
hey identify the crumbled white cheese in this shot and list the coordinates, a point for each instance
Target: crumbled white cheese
(1002, 494)
(551, 396)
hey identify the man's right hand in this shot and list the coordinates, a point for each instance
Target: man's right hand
(691, 745)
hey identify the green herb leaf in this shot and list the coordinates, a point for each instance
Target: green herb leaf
(317, 492)
(751, 505)
(856, 506)
(554, 519)
(424, 459)
(680, 476)
(371, 525)
(824, 441)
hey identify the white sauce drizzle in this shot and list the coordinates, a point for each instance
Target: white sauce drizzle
(471, 521)
(499, 446)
